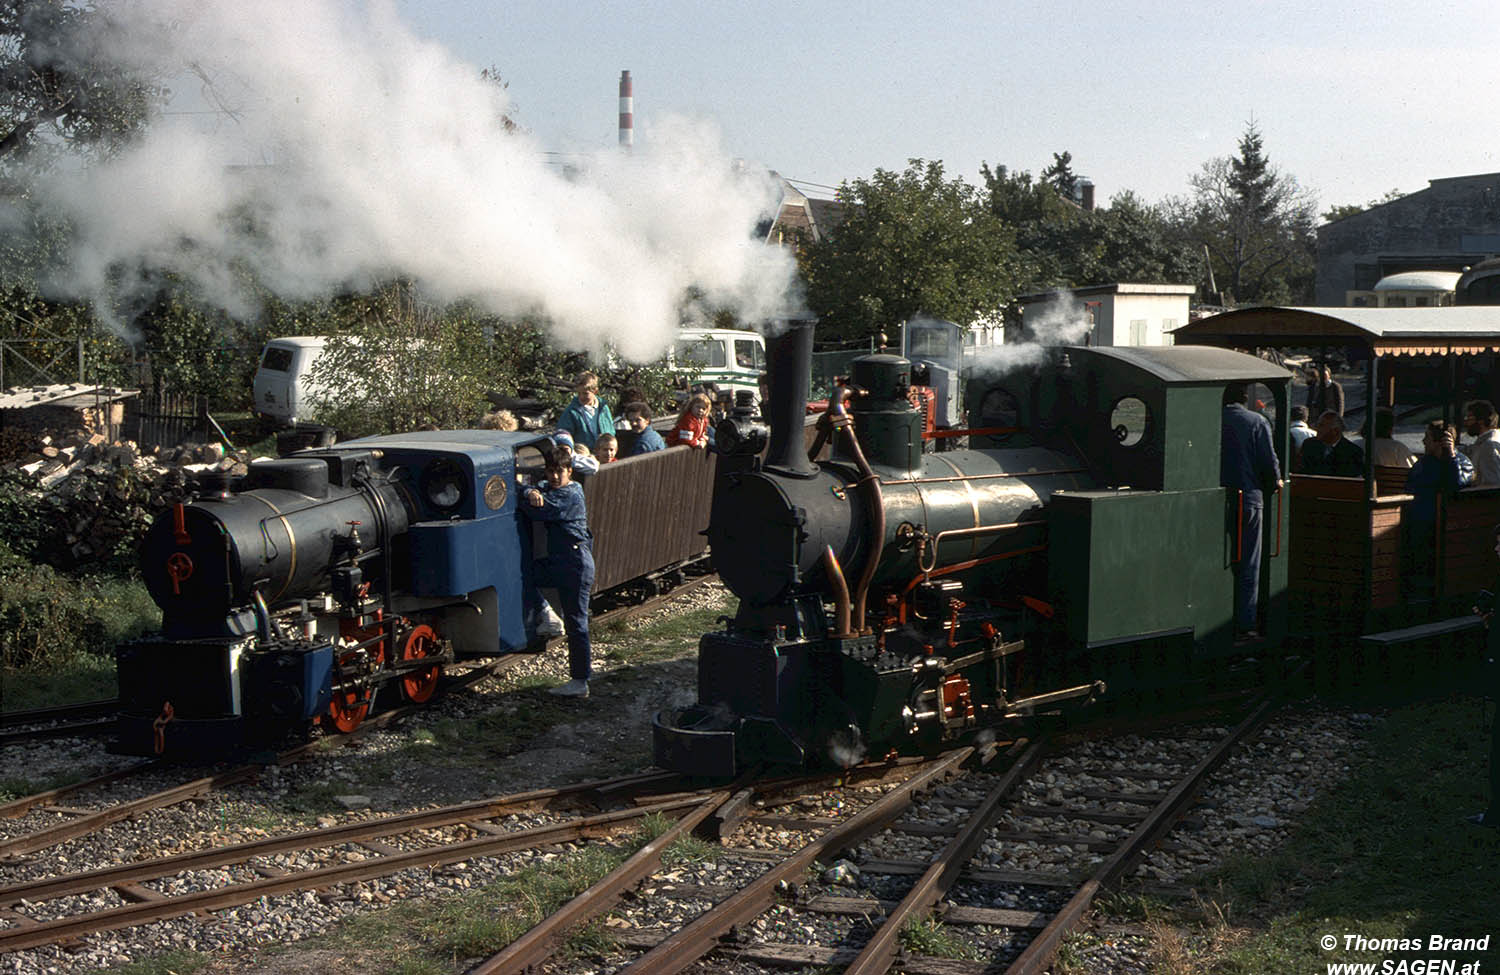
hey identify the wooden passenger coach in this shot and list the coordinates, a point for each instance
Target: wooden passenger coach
(1354, 566)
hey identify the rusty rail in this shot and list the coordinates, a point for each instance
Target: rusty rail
(1043, 948)
(880, 951)
(49, 932)
(694, 941)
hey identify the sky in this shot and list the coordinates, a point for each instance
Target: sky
(1353, 99)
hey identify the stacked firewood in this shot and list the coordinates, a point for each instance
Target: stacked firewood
(92, 500)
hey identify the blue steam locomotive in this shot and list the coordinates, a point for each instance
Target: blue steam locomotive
(296, 593)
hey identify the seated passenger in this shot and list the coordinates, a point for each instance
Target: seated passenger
(1330, 453)
(606, 448)
(1441, 469)
(583, 463)
(1387, 451)
(503, 420)
(638, 416)
(692, 423)
(1300, 433)
(1479, 423)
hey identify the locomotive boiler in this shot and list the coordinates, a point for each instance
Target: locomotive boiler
(894, 598)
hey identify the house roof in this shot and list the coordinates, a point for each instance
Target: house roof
(1387, 331)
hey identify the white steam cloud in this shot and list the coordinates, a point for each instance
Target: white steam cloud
(1058, 322)
(376, 153)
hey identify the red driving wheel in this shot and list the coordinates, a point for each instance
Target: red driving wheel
(349, 707)
(419, 685)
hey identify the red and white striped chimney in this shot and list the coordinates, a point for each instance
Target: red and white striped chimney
(627, 111)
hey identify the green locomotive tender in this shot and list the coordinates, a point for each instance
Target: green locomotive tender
(892, 598)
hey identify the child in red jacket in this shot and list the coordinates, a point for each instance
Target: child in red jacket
(692, 424)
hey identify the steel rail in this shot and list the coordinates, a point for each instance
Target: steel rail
(156, 909)
(69, 729)
(65, 712)
(478, 809)
(1043, 948)
(880, 951)
(700, 937)
(80, 826)
(83, 825)
(528, 952)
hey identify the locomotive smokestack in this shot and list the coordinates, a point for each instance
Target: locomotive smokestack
(791, 369)
(627, 111)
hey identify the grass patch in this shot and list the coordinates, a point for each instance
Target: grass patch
(436, 934)
(171, 963)
(632, 644)
(930, 937)
(1385, 854)
(75, 679)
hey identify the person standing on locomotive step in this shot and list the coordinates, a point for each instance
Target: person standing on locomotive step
(587, 415)
(569, 566)
(1247, 465)
(1479, 423)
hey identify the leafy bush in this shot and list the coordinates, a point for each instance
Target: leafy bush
(48, 618)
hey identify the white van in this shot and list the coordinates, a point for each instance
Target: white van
(731, 358)
(283, 386)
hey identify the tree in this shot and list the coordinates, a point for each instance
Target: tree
(1256, 223)
(52, 81)
(1060, 175)
(910, 241)
(1336, 213)
(1062, 245)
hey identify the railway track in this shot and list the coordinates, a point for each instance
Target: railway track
(47, 911)
(961, 816)
(76, 822)
(920, 838)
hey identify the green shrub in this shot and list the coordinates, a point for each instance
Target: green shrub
(48, 618)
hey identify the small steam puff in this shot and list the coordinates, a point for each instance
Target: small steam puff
(374, 152)
(1057, 322)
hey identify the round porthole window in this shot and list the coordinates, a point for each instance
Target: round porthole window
(1128, 421)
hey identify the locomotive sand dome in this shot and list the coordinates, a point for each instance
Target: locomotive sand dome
(942, 568)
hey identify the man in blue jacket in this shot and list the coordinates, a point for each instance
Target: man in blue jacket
(569, 565)
(587, 415)
(1248, 468)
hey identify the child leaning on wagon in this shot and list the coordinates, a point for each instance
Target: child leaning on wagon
(692, 423)
(569, 565)
(638, 417)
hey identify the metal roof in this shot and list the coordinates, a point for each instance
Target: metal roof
(1190, 364)
(71, 395)
(1389, 331)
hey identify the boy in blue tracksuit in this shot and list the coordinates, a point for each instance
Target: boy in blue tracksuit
(569, 565)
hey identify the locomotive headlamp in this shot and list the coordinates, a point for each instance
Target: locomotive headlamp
(443, 485)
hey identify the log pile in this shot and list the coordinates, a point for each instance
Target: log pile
(91, 499)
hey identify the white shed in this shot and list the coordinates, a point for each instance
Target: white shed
(1106, 314)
